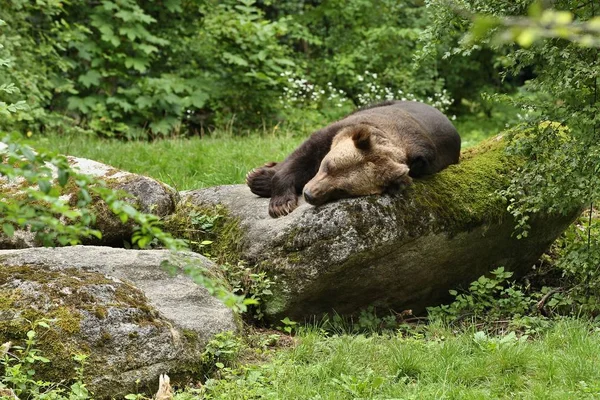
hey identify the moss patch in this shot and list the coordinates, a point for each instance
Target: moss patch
(67, 298)
(189, 222)
(464, 195)
(56, 343)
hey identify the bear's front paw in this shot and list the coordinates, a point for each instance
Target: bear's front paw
(283, 205)
(259, 179)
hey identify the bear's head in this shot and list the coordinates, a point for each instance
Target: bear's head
(362, 161)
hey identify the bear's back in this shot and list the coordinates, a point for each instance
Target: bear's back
(400, 117)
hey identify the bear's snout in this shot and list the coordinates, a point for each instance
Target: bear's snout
(310, 199)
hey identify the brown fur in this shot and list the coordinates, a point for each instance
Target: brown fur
(371, 151)
(361, 162)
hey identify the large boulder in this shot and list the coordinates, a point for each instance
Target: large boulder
(146, 194)
(121, 307)
(403, 252)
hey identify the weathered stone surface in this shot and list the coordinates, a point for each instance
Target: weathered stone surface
(151, 196)
(120, 307)
(403, 252)
(147, 194)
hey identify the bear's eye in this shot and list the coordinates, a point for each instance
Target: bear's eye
(326, 166)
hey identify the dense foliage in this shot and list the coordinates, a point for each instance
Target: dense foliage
(131, 69)
(560, 132)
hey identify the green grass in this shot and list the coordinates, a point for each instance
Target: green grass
(562, 364)
(474, 128)
(182, 163)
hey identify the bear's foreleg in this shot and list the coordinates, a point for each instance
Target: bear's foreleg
(288, 182)
(283, 203)
(292, 174)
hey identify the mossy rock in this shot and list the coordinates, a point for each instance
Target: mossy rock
(403, 252)
(122, 308)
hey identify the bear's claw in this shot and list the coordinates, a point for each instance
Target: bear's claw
(282, 205)
(259, 179)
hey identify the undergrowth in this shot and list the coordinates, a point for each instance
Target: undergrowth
(18, 363)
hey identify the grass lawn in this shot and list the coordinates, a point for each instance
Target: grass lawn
(563, 363)
(182, 163)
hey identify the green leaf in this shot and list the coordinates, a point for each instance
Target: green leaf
(234, 59)
(198, 99)
(535, 9)
(526, 37)
(44, 186)
(28, 153)
(138, 64)
(8, 229)
(148, 48)
(108, 35)
(144, 102)
(90, 78)
(482, 25)
(63, 177)
(143, 241)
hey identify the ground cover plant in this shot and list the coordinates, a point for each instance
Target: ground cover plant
(434, 364)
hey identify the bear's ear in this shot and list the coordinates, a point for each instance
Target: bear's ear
(362, 137)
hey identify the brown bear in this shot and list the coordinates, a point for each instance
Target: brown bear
(373, 150)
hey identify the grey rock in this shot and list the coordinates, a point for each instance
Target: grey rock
(121, 307)
(147, 194)
(402, 252)
(151, 196)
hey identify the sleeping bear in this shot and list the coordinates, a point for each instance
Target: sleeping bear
(374, 150)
